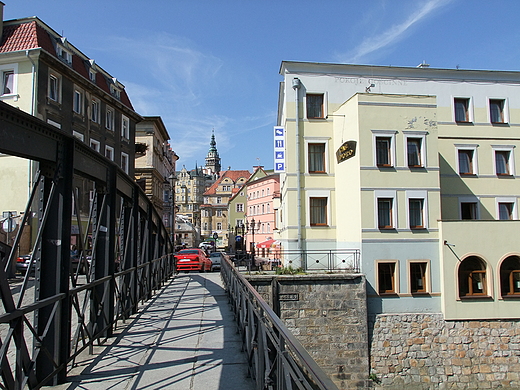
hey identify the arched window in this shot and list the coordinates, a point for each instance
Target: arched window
(263, 209)
(268, 208)
(510, 276)
(268, 227)
(472, 277)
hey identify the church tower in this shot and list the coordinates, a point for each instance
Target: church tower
(213, 166)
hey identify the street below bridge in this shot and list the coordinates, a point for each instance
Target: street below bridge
(184, 338)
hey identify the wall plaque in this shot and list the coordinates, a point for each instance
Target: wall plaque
(289, 297)
(346, 151)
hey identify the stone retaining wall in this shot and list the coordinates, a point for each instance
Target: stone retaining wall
(423, 351)
(328, 315)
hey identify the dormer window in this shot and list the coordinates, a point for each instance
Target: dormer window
(64, 55)
(92, 75)
(115, 88)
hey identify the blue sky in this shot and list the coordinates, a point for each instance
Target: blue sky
(211, 64)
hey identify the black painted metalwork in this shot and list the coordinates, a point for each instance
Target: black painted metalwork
(276, 358)
(122, 255)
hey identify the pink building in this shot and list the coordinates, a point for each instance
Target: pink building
(261, 195)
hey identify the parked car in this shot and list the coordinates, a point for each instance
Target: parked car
(216, 260)
(192, 259)
(22, 264)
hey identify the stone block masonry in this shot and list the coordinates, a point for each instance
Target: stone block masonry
(328, 315)
(423, 351)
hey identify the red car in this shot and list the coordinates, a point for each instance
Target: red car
(193, 259)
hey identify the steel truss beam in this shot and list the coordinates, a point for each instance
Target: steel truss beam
(124, 254)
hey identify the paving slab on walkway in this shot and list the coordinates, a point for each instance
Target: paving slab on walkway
(184, 339)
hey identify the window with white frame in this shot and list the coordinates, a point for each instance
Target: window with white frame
(503, 157)
(125, 127)
(219, 225)
(417, 209)
(469, 208)
(78, 135)
(240, 207)
(219, 213)
(77, 104)
(109, 152)
(109, 122)
(95, 111)
(386, 216)
(54, 87)
(384, 148)
(124, 161)
(497, 111)
(316, 157)
(9, 80)
(95, 145)
(219, 200)
(64, 54)
(318, 207)
(315, 105)
(506, 208)
(467, 161)
(463, 112)
(415, 149)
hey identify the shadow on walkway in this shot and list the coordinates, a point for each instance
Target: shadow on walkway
(184, 338)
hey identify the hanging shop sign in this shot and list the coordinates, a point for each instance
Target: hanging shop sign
(346, 151)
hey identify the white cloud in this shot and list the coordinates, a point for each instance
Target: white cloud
(394, 33)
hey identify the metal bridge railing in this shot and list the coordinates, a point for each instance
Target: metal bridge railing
(73, 299)
(276, 359)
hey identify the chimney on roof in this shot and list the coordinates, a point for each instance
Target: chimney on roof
(1, 20)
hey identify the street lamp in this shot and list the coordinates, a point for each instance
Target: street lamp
(239, 231)
(252, 227)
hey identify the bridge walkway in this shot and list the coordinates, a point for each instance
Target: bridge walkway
(184, 339)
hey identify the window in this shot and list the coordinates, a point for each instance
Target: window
(109, 152)
(94, 114)
(219, 213)
(386, 277)
(8, 82)
(219, 225)
(77, 104)
(219, 200)
(315, 106)
(502, 158)
(416, 213)
(95, 145)
(472, 277)
(78, 135)
(414, 152)
(92, 75)
(385, 213)
(466, 166)
(316, 157)
(240, 207)
(54, 87)
(505, 211)
(124, 162)
(510, 276)
(110, 119)
(418, 277)
(64, 54)
(468, 210)
(496, 110)
(318, 211)
(125, 127)
(462, 113)
(383, 151)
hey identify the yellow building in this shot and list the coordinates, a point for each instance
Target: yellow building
(415, 169)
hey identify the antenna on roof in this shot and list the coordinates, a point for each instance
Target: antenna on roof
(423, 65)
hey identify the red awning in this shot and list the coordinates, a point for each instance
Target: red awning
(267, 244)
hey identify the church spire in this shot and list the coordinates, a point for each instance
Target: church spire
(213, 159)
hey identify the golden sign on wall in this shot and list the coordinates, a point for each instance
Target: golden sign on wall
(346, 151)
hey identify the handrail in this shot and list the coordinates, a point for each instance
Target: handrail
(274, 354)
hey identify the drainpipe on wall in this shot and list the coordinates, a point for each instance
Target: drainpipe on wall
(33, 107)
(296, 86)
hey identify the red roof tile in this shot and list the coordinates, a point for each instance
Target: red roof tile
(30, 34)
(233, 175)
